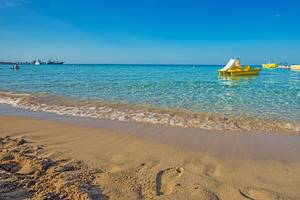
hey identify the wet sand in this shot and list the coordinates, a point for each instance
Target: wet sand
(245, 145)
(117, 160)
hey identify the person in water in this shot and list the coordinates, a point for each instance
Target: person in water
(15, 66)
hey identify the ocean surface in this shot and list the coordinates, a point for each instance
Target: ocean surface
(192, 96)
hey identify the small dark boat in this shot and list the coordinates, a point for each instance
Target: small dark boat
(53, 62)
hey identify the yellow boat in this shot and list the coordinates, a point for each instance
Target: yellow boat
(295, 67)
(234, 68)
(270, 65)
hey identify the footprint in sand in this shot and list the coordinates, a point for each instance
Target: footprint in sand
(211, 170)
(259, 194)
(167, 179)
(206, 194)
(209, 195)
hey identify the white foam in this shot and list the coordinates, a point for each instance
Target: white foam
(123, 113)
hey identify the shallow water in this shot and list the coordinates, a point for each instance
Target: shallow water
(185, 95)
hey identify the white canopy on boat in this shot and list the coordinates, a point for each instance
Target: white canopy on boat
(234, 62)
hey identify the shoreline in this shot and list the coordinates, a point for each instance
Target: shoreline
(129, 165)
(137, 113)
(247, 145)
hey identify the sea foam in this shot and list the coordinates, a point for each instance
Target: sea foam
(138, 113)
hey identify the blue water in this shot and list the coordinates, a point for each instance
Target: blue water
(274, 94)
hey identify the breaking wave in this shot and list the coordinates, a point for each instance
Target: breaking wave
(125, 112)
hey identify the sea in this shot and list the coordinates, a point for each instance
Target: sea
(190, 96)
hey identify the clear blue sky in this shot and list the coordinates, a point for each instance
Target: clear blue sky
(150, 31)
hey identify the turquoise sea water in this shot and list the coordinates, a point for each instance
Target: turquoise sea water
(151, 93)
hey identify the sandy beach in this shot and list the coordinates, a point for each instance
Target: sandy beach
(46, 159)
(149, 100)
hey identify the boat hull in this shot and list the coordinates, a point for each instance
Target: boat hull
(55, 63)
(240, 73)
(284, 67)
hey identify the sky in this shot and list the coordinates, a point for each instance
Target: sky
(150, 31)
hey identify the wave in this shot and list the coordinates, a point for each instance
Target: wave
(126, 112)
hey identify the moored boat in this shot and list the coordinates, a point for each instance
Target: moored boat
(234, 68)
(55, 62)
(284, 66)
(36, 62)
(270, 65)
(295, 67)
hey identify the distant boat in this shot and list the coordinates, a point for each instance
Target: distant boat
(284, 66)
(36, 62)
(55, 62)
(295, 67)
(270, 65)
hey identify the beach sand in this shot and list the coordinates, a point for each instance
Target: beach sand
(44, 159)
